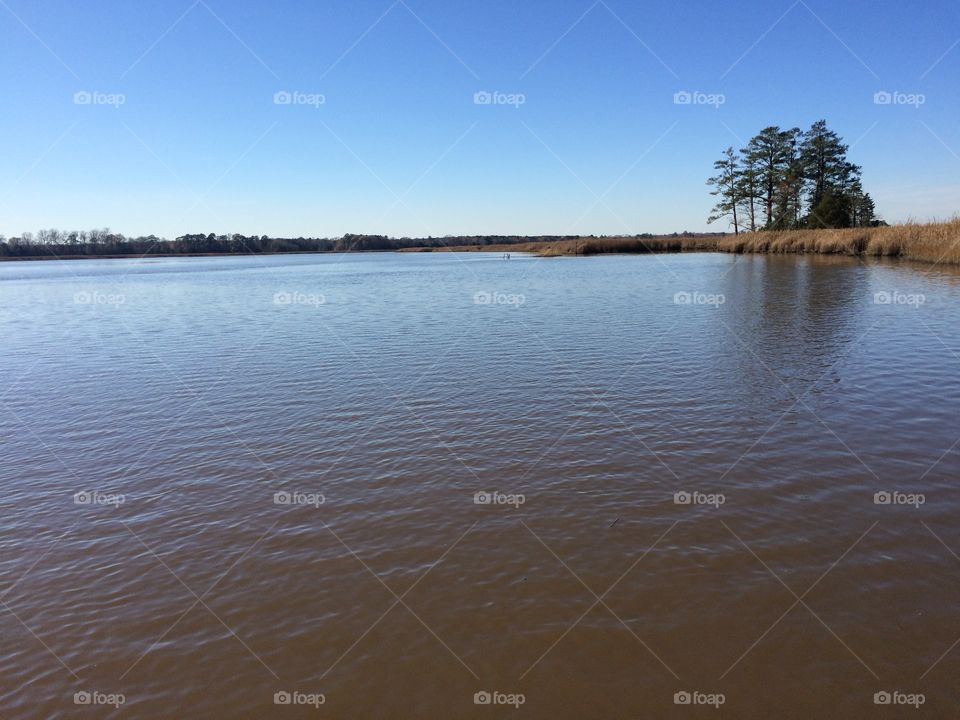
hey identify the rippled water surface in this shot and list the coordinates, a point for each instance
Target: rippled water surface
(227, 478)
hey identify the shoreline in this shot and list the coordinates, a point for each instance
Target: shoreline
(140, 256)
(936, 243)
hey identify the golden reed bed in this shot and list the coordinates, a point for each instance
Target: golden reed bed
(931, 242)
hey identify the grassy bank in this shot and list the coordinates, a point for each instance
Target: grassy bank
(932, 242)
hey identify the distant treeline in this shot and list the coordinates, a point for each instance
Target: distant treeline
(791, 179)
(103, 243)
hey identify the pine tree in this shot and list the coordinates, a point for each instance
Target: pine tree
(771, 150)
(789, 182)
(824, 158)
(726, 188)
(748, 190)
(862, 208)
(833, 211)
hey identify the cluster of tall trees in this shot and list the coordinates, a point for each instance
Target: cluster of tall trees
(790, 179)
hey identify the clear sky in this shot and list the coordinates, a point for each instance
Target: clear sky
(585, 136)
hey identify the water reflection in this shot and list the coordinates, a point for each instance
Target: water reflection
(399, 399)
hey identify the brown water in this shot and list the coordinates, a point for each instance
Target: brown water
(182, 385)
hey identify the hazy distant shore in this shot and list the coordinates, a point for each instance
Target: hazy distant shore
(145, 256)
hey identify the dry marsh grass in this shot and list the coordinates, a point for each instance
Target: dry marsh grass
(930, 242)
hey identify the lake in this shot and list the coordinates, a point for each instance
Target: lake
(454, 485)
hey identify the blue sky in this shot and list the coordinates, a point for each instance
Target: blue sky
(399, 146)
